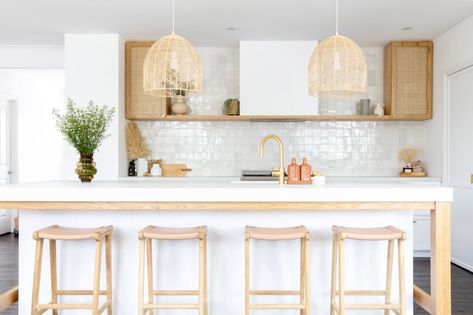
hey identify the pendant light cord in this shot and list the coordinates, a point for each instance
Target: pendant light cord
(173, 18)
(336, 17)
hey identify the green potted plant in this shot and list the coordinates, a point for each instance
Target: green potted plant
(84, 127)
(231, 107)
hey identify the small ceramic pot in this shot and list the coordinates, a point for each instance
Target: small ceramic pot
(179, 107)
(379, 109)
(141, 166)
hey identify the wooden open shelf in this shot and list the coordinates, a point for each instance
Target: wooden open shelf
(274, 118)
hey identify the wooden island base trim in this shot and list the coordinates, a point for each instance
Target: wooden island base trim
(8, 298)
(200, 205)
(423, 299)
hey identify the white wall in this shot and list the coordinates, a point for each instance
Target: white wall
(27, 76)
(94, 66)
(273, 78)
(39, 144)
(31, 57)
(452, 50)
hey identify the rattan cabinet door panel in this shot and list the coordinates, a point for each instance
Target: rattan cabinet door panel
(408, 80)
(138, 105)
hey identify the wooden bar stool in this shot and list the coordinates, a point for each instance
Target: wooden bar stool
(390, 234)
(55, 233)
(146, 236)
(278, 234)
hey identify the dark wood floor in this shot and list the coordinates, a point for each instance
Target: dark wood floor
(9, 267)
(462, 280)
(462, 286)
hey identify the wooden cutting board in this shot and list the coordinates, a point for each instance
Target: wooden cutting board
(413, 174)
(174, 170)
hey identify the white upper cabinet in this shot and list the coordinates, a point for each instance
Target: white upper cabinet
(273, 78)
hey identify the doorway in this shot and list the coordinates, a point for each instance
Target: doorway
(7, 156)
(459, 162)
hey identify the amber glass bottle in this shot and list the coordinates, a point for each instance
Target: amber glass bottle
(293, 172)
(306, 171)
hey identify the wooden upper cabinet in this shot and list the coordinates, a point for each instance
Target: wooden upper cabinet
(139, 106)
(408, 80)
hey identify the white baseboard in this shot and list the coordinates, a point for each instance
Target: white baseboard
(422, 253)
(462, 264)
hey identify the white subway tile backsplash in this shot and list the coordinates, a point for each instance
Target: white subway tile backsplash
(333, 148)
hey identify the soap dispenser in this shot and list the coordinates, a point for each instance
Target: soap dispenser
(306, 171)
(293, 172)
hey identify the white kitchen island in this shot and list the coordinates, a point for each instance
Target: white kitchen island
(226, 207)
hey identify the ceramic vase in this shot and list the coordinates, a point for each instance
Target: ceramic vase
(141, 166)
(379, 109)
(179, 107)
(86, 167)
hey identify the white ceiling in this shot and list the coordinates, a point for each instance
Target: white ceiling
(205, 22)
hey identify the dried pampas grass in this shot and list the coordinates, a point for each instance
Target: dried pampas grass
(407, 155)
(135, 144)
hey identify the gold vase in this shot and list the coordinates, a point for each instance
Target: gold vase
(86, 167)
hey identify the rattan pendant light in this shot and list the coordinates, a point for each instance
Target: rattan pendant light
(337, 68)
(172, 67)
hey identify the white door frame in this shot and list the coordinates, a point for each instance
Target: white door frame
(12, 157)
(446, 136)
(446, 117)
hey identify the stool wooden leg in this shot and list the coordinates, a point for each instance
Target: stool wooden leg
(141, 277)
(389, 275)
(247, 276)
(37, 276)
(108, 266)
(98, 260)
(307, 274)
(53, 265)
(341, 277)
(149, 256)
(402, 288)
(333, 290)
(201, 276)
(206, 303)
(302, 280)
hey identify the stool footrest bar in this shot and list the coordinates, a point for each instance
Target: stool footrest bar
(275, 292)
(363, 292)
(175, 292)
(52, 306)
(372, 306)
(171, 306)
(79, 292)
(277, 306)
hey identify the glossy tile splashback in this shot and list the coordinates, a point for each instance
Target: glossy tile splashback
(221, 80)
(334, 148)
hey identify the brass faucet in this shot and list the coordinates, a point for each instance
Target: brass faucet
(280, 172)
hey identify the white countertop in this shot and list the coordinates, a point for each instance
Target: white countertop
(225, 189)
